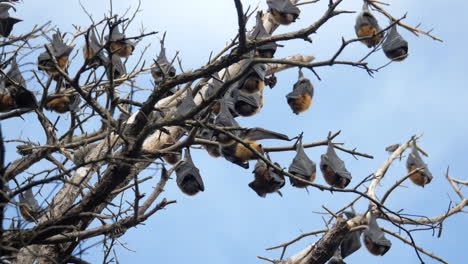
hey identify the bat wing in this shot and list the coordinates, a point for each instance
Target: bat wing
(250, 99)
(393, 42)
(351, 242)
(28, 198)
(115, 35)
(189, 175)
(187, 104)
(225, 117)
(376, 235)
(6, 25)
(117, 66)
(366, 18)
(260, 32)
(258, 133)
(15, 74)
(260, 69)
(332, 160)
(59, 47)
(301, 87)
(414, 159)
(301, 163)
(214, 85)
(283, 6)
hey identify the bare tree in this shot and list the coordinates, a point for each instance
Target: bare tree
(92, 166)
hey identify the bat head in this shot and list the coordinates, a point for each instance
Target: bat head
(374, 238)
(301, 166)
(333, 168)
(394, 46)
(188, 176)
(300, 99)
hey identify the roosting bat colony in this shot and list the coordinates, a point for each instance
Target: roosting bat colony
(183, 111)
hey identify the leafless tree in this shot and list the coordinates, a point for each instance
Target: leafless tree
(94, 165)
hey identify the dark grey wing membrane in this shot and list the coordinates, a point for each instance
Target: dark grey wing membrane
(23, 97)
(266, 181)
(186, 105)
(330, 159)
(97, 48)
(351, 242)
(394, 46)
(59, 47)
(375, 239)
(337, 258)
(6, 22)
(214, 85)
(301, 165)
(415, 160)
(227, 154)
(15, 74)
(247, 100)
(225, 117)
(162, 66)
(301, 87)
(44, 58)
(284, 6)
(75, 101)
(27, 200)
(260, 32)
(258, 133)
(365, 17)
(117, 66)
(188, 176)
(116, 35)
(259, 69)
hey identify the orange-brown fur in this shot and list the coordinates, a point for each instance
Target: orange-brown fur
(332, 178)
(374, 248)
(6, 103)
(300, 104)
(121, 49)
(418, 178)
(88, 52)
(27, 214)
(253, 84)
(244, 153)
(61, 62)
(368, 31)
(171, 158)
(299, 184)
(59, 104)
(282, 18)
(214, 151)
(215, 109)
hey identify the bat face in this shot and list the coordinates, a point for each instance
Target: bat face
(367, 26)
(333, 169)
(300, 99)
(266, 179)
(283, 11)
(351, 242)
(394, 46)
(374, 238)
(415, 161)
(188, 177)
(302, 167)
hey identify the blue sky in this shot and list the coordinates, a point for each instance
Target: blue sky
(229, 223)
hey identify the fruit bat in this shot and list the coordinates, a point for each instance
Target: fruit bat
(119, 45)
(254, 80)
(374, 238)
(63, 102)
(337, 258)
(367, 26)
(302, 167)
(60, 51)
(214, 86)
(248, 104)
(352, 241)
(117, 66)
(93, 51)
(7, 22)
(186, 105)
(13, 92)
(162, 68)
(213, 150)
(333, 168)
(414, 162)
(29, 207)
(224, 119)
(283, 11)
(266, 180)
(267, 50)
(394, 46)
(174, 157)
(238, 154)
(188, 176)
(300, 99)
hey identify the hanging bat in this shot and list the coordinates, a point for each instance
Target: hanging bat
(267, 50)
(239, 154)
(173, 157)
(162, 68)
(63, 102)
(224, 119)
(394, 46)
(119, 45)
(352, 241)
(93, 51)
(333, 168)
(13, 92)
(118, 68)
(283, 11)
(374, 238)
(254, 80)
(60, 51)
(266, 180)
(248, 104)
(367, 26)
(29, 207)
(213, 86)
(414, 162)
(302, 167)
(337, 258)
(186, 105)
(213, 150)
(188, 176)
(7, 22)
(300, 99)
